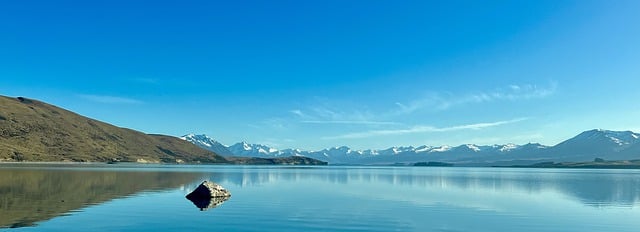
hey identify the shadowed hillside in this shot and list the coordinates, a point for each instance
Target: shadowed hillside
(31, 130)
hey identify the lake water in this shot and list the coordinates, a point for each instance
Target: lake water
(332, 198)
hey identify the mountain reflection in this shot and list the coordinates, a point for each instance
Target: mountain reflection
(599, 188)
(29, 195)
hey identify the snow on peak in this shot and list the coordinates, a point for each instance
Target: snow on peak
(441, 149)
(473, 147)
(202, 139)
(423, 148)
(184, 137)
(246, 146)
(619, 137)
(622, 137)
(508, 147)
(617, 140)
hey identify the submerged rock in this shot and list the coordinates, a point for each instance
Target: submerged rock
(208, 195)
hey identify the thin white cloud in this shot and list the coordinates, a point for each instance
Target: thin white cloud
(274, 124)
(444, 101)
(518, 92)
(298, 113)
(423, 129)
(109, 99)
(277, 143)
(325, 112)
(145, 80)
(328, 115)
(350, 122)
(517, 139)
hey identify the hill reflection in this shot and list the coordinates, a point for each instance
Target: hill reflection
(28, 195)
(598, 188)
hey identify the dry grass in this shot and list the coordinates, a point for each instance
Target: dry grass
(31, 130)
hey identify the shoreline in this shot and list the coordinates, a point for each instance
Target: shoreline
(635, 164)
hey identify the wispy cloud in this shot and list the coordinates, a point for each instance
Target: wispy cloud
(277, 143)
(145, 81)
(109, 99)
(442, 101)
(271, 124)
(517, 139)
(518, 92)
(423, 129)
(298, 113)
(351, 122)
(322, 114)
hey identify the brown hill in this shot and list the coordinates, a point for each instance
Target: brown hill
(31, 130)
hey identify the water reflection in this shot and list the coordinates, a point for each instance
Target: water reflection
(208, 203)
(600, 188)
(29, 195)
(375, 198)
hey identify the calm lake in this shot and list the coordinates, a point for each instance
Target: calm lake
(331, 198)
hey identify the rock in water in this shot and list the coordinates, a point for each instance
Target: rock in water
(209, 189)
(208, 203)
(208, 195)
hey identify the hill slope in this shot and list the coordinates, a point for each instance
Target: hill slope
(31, 130)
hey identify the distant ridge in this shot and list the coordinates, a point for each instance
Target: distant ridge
(208, 143)
(32, 130)
(588, 145)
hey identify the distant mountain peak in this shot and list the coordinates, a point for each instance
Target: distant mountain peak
(618, 137)
(472, 147)
(508, 147)
(585, 145)
(208, 143)
(442, 148)
(201, 139)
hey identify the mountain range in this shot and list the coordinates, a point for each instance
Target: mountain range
(586, 146)
(31, 130)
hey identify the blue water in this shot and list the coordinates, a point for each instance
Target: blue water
(277, 198)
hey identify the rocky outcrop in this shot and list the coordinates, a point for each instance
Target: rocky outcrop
(208, 195)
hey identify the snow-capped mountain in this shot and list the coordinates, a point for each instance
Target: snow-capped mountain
(253, 150)
(595, 143)
(208, 143)
(586, 146)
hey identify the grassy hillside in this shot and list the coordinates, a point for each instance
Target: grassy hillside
(31, 130)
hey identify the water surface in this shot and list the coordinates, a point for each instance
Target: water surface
(282, 198)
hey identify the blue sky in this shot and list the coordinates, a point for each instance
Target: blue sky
(316, 74)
